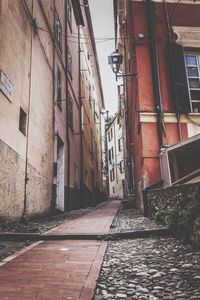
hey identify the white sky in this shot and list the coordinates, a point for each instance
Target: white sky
(103, 26)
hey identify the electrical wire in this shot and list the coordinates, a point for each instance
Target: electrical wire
(85, 37)
(173, 11)
(192, 121)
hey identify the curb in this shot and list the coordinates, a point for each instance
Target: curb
(79, 236)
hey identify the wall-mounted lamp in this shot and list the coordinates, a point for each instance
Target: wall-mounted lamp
(115, 60)
(140, 35)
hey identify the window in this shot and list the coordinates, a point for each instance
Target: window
(112, 153)
(112, 175)
(69, 62)
(192, 62)
(110, 135)
(179, 78)
(119, 122)
(58, 31)
(90, 95)
(70, 112)
(120, 144)
(109, 155)
(58, 86)
(113, 190)
(82, 118)
(121, 166)
(22, 121)
(69, 13)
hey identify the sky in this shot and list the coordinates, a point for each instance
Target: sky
(103, 26)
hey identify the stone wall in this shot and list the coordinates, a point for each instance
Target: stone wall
(178, 205)
(12, 178)
(39, 193)
(12, 185)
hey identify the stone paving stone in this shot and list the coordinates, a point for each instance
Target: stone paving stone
(149, 269)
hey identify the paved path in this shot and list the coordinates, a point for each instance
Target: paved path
(95, 222)
(59, 270)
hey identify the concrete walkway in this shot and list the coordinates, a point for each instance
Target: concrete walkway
(59, 270)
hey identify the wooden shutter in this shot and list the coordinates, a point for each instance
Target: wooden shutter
(179, 78)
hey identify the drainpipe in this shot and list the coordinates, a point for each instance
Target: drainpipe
(80, 119)
(170, 37)
(66, 106)
(115, 142)
(24, 214)
(54, 118)
(155, 68)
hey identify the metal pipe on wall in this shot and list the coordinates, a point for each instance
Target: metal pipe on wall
(67, 203)
(155, 68)
(30, 15)
(170, 37)
(80, 117)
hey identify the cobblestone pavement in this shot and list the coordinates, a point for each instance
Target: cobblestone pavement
(148, 269)
(130, 219)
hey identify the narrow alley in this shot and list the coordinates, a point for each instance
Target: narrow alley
(99, 149)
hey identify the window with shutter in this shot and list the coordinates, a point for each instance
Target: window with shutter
(179, 78)
(69, 62)
(69, 13)
(58, 31)
(192, 63)
(58, 87)
(70, 112)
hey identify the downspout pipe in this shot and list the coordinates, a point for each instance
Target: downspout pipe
(24, 213)
(155, 68)
(67, 205)
(80, 118)
(170, 37)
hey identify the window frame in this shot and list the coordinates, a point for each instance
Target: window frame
(69, 13)
(58, 86)
(121, 166)
(112, 174)
(197, 55)
(58, 31)
(22, 121)
(70, 113)
(69, 62)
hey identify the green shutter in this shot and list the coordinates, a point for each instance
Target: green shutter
(179, 78)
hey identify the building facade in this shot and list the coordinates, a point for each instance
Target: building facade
(159, 41)
(92, 104)
(41, 146)
(115, 154)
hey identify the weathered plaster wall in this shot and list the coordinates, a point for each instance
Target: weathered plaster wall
(28, 65)
(12, 178)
